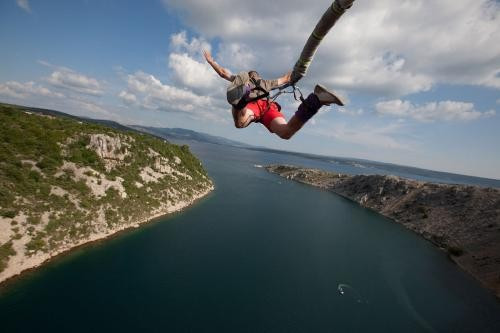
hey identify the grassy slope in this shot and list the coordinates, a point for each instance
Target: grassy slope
(25, 190)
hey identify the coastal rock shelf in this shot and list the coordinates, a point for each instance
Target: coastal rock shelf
(463, 220)
(65, 182)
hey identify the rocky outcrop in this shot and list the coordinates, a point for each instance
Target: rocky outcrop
(65, 183)
(463, 220)
(112, 149)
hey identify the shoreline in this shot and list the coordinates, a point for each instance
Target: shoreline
(462, 220)
(12, 274)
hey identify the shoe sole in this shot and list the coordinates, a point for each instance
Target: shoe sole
(338, 100)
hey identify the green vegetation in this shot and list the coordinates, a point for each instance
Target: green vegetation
(6, 251)
(454, 250)
(8, 213)
(422, 211)
(36, 182)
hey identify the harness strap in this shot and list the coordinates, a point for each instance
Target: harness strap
(301, 97)
(297, 95)
(265, 94)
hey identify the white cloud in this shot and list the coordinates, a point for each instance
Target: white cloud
(384, 47)
(444, 110)
(80, 83)
(188, 68)
(152, 94)
(179, 43)
(366, 135)
(490, 113)
(81, 90)
(350, 112)
(127, 97)
(90, 106)
(192, 73)
(238, 56)
(67, 78)
(20, 90)
(24, 4)
(32, 93)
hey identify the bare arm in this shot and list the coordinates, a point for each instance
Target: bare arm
(223, 73)
(276, 83)
(285, 79)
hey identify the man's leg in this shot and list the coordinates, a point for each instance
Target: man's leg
(242, 118)
(284, 129)
(307, 109)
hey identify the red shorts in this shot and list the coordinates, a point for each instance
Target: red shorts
(265, 112)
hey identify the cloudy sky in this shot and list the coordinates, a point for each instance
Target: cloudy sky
(421, 77)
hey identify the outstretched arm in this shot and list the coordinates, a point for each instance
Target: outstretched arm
(285, 79)
(223, 73)
(269, 85)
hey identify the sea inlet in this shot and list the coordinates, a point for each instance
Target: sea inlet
(260, 254)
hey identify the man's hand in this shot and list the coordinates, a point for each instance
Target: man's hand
(208, 56)
(223, 73)
(285, 79)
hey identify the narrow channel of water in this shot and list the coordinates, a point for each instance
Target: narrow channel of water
(260, 254)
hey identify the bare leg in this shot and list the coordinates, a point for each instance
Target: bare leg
(242, 118)
(307, 109)
(284, 129)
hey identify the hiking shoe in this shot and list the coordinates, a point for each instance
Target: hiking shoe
(326, 97)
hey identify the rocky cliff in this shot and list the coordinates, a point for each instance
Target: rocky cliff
(64, 182)
(463, 220)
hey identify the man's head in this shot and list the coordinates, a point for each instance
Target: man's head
(238, 89)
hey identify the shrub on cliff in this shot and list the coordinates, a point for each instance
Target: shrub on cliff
(454, 250)
(6, 251)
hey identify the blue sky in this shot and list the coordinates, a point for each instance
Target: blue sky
(421, 78)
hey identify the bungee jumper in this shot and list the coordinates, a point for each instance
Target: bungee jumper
(249, 94)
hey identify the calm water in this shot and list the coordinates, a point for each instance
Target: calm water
(260, 254)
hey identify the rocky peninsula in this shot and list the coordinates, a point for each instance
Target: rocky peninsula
(65, 182)
(462, 220)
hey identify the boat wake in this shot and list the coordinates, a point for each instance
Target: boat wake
(349, 292)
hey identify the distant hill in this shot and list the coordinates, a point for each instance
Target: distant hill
(108, 123)
(164, 133)
(363, 166)
(185, 134)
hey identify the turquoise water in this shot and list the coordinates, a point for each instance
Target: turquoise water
(260, 254)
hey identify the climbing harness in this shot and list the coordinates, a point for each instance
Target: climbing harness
(297, 94)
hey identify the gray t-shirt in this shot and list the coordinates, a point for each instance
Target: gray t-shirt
(244, 81)
(267, 85)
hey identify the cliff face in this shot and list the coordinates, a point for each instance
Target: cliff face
(464, 220)
(64, 183)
